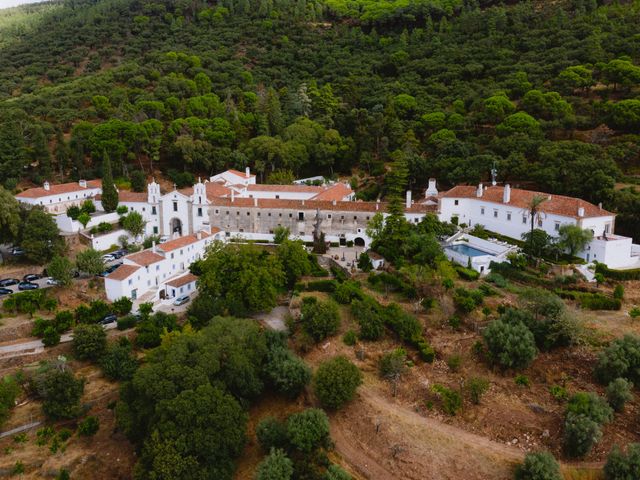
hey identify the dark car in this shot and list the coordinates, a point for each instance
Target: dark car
(5, 291)
(27, 286)
(30, 277)
(107, 319)
(7, 282)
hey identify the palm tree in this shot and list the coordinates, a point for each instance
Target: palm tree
(534, 208)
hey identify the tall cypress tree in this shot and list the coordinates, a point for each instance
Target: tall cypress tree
(109, 192)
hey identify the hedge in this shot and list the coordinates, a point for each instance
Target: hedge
(633, 274)
(591, 301)
(467, 273)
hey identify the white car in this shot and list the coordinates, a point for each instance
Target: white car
(108, 258)
(181, 300)
(52, 281)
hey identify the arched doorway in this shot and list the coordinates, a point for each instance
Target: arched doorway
(176, 227)
(359, 242)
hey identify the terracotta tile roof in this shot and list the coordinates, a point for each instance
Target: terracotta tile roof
(215, 189)
(240, 174)
(180, 281)
(186, 191)
(275, 203)
(263, 187)
(58, 189)
(334, 192)
(557, 204)
(123, 272)
(145, 258)
(127, 196)
(184, 241)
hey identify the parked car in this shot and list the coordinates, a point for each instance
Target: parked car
(27, 286)
(164, 238)
(108, 258)
(107, 319)
(17, 251)
(117, 254)
(5, 291)
(181, 300)
(30, 277)
(52, 281)
(7, 282)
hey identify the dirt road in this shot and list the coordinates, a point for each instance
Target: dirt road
(409, 446)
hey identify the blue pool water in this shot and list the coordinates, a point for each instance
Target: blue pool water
(467, 250)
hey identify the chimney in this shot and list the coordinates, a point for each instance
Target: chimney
(153, 246)
(506, 194)
(255, 201)
(408, 201)
(581, 211)
(377, 204)
(480, 190)
(233, 196)
(247, 172)
(334, 203)
(600, 205)
(46, 186)
(432, 191)
(82, 183)
(199, 235)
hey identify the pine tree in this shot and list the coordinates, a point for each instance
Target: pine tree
(109, 192)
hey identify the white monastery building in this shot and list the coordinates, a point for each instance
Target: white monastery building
(505, 210)
(232, 205)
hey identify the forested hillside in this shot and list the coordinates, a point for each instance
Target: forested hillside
(547, 92)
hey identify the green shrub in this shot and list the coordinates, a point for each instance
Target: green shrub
(322, 286)
(451, 400)
(89, 427)
(347, 291)
(124, 323)
(118, 362)
(122, 306)
(336, 381)
(580, 434)
(275, 466)
(393, 364)
(335, 472)
(368, 314)
(621, 466)
(9, 391)
(558, 392)
(618, 393)
(522, 380)
(319, 319)
(477, 386)
(425, 350)
(308, 430)
(271, 433)
(621, 359)
(288, 373)
(538, 466)
(404, 325)
(467, 273)
(497, 279)
(454, 322)
(50, 337)
(350, 338)
(631, 274)
(618, 292)
(454, 362)
(89, 342)
(590, 405)
(467, 300)
(510, 345)
(634, 312)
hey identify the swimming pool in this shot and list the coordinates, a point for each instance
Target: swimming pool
(467, 250)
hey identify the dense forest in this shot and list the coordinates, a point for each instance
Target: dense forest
(547, 92)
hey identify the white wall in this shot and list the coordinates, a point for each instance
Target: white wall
(168, 213)
(105, 241)
(68, 225)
